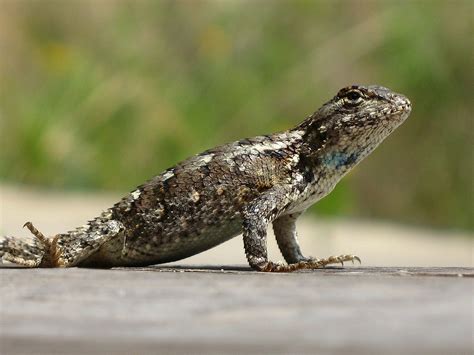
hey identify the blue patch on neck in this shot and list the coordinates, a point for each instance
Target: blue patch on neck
(339, 160)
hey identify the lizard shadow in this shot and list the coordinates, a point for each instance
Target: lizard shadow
(174, 268)
(211, 268)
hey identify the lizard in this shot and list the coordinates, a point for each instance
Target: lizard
(236, 188)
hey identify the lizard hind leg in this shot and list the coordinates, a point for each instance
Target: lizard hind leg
(51, 250)
(64, 250)
(39, 252)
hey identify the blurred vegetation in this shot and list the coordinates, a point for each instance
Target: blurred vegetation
(106, 94)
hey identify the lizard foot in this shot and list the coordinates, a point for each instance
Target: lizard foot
(307, 264)
(50, 246)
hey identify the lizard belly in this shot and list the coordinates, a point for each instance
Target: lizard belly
(184, 246)
(149, 250)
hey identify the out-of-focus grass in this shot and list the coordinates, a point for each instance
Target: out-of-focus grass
(105, 94)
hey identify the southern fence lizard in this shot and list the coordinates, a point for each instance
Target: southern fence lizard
(240, 187)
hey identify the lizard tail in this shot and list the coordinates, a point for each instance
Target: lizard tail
(22, 252)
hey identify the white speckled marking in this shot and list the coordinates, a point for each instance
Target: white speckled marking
(135, 194)
(206, 158)
(168, 175)
(195, 196)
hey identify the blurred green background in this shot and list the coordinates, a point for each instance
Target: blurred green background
(105, 94)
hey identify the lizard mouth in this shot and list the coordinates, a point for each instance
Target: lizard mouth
(396, 113)
(403, 105)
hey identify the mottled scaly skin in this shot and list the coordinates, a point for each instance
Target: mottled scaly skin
(236, 188)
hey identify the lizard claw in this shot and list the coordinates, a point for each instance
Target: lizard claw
(339, 259)
(351, 258)
(36, 232)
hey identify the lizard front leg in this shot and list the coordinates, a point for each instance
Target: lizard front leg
(284, 228)
(256, 217)
(286, 236)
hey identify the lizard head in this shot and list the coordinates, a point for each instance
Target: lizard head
(353, 123)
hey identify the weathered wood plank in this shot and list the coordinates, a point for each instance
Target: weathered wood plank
(202, 310)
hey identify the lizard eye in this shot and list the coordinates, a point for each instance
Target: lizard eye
(353, 96)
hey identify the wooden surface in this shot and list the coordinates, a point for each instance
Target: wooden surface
(214, 310)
